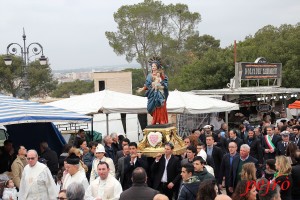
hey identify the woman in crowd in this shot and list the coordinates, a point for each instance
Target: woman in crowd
(248, 172)
(208, 190)
(193, 140)
(82, 146)
(245, 190)
(283, 177)
(62, 172)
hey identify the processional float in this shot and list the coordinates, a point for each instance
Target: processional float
(160, 131)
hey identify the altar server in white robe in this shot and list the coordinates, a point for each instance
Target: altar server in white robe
(74, 174)
(105, 186)
(37, 182)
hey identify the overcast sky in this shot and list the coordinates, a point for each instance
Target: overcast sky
(72, 32)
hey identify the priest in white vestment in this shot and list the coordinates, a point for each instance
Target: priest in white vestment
(37, 182)
(105, 186)
(100, 151)
(74, 174)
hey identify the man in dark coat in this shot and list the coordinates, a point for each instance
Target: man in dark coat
(125, 152)
(255, 146)
(109, 150)
(121, 153)
(296, 138)
(233, 137)
(282, 145)
(190, 183)
(131, 162)
(50, 156)
(139, 188)
(296, 177)
(199, 169)
(80, 135)
(115, 142)
(269, 143)
(215, 153)
(226, 165)
(237, 164)
(166, 172)
(221, 140)
(6, 156)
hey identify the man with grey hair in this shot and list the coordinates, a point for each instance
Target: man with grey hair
(109, 150)
(75, 191)
(115, 142)
(237, 164)
(74, 174)
(36, 181)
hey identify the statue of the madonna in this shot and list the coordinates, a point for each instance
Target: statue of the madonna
(157, 92)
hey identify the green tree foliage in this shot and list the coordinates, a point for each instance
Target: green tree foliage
(214, 66)
(214, 70)
(138, 79)
(40, 79)
(198, 45)
(152, 28)
(11, 78)
(77, 87)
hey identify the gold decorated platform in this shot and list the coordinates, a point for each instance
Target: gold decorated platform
(155, 136)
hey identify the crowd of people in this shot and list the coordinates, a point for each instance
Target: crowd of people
(240, 164)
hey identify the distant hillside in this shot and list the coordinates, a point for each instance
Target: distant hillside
(99, 68)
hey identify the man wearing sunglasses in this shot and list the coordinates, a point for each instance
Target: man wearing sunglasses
(36, 181)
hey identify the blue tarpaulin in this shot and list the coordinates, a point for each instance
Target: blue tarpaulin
(30, 135)
(15, 111)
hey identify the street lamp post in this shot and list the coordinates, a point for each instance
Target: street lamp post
(36, 50)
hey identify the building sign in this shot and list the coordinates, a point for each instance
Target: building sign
(264, 107)
(260, 71)
(249, 74)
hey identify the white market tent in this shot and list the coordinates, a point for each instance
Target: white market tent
(16, 111)
(115, 102)
(186, 102)
(105, 101)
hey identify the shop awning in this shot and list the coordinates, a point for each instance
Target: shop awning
(15, 111)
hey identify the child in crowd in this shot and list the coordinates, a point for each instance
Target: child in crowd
(10, 191)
